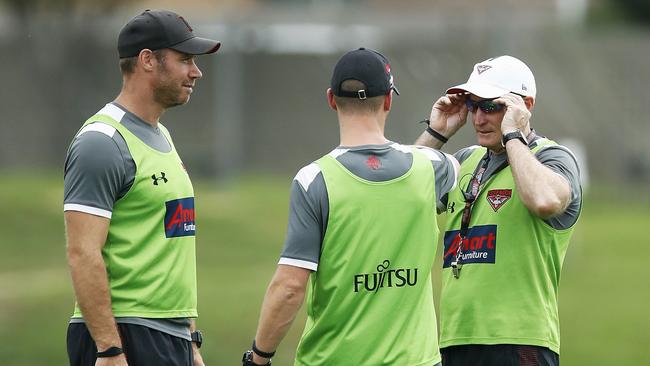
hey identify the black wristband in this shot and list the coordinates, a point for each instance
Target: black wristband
(262, 353)
(437, 135)
(433, 132)
(110, 352)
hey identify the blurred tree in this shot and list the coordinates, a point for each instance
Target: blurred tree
(620, 11)
(637, 10)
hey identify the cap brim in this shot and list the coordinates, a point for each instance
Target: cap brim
(197, 46)
(479, 89)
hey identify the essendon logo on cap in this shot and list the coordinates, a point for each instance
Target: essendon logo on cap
(497, 197)
(179, 218)
(186, 23)
(480, 245)
(482, 68)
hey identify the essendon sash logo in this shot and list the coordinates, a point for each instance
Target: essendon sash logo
(179, 218)
(373, 163)
(497, 197)
(479, 246)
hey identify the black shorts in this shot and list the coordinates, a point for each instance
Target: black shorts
(498, 355)
(143, 346)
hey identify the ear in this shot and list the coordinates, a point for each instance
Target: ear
(330, 99)
(388, 101)
(530, 102)
(147, 59)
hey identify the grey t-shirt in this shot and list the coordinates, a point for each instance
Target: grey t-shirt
(556, 157)
(309, 204)
(99, 170)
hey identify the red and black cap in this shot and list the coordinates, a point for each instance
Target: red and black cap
(158, 29)
(367, 66)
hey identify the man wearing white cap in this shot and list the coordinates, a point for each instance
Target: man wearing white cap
(510, 222)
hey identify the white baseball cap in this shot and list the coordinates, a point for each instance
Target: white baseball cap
(498, 76)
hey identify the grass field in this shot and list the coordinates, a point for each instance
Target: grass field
(604, 296)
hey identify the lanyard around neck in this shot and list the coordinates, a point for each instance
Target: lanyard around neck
(470, 195)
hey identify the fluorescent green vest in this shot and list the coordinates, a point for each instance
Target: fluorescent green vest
(508, 287)
(150, 248)
(370, 303)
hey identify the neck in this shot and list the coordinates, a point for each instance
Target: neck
(357, 129)
(497, 151)
(140, 101)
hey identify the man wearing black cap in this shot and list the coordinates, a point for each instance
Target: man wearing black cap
(362, 232)
(129, 209)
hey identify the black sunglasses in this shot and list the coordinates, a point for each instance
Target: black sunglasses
(486, 105)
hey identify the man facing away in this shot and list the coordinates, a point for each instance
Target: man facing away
(510, 221)
(129, 209)
(361, 235)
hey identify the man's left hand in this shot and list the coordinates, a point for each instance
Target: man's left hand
(198, 360)
(517, 116)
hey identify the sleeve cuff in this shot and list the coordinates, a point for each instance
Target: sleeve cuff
(299, 263)
(87, 209)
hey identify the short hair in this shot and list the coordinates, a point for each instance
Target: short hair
(345, 104)
(127, 64)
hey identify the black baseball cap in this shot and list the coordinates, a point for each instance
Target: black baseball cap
(367, 66)
(157, 29)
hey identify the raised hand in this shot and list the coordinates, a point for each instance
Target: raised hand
(517, 116)
(448, 114)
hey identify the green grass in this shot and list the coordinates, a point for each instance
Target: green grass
(241, 227)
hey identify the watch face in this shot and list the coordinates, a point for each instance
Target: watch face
(248, 359)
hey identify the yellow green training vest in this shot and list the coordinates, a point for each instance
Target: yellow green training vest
(150, 249)
(370, 303)
(508, 287)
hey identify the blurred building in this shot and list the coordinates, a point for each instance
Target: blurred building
(261, 104)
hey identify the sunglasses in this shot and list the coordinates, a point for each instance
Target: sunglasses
(486, 105)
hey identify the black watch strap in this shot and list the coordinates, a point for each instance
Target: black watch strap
(110, 352)
(197, 337)
(512, 136)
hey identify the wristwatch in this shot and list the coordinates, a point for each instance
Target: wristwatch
(514, 135)
(247, 360)
(197, 337)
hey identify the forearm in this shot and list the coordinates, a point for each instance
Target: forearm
(86, 235)
(283, 299)
(90, 283)
(544, 192)
(426, 139)
(279, 310)
(198, 359)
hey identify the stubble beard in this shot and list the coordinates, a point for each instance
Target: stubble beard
(167, 92)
